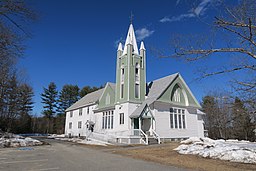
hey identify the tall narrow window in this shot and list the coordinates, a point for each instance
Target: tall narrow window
(103, 119)
(175, 120)
(180, 124)
(171, 118)
(122, 90)
(112, 119)
(137, 77)
(106, 120)
(183, 119)
(79, 124)
(107, 99)
(80, 111)
(71, 114)
(109, 120)
(70, 125)
(137, 87)
(88, 110)
(122, 74)
(121, 117)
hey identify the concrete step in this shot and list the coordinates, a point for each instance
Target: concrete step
(152, 140)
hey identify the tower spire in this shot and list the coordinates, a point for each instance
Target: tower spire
(131, 17)
(131, 39)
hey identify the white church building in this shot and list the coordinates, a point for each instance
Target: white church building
(133, 111)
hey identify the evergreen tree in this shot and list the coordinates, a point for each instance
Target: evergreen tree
(209, 107)
(87, 89)
(68, 96)
(50, 101)
(11, 111)
(25, 107)
(242, 124)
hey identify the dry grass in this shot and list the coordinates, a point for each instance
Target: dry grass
(165, 154)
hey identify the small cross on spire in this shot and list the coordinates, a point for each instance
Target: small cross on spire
(131, 17)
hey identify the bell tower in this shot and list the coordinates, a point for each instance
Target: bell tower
(130, 70)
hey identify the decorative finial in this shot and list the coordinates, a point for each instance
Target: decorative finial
(131, 17)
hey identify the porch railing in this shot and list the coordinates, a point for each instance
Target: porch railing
(144, 137)
(156, 136)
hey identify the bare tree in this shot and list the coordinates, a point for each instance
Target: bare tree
(218, 119)
(236, 25)
(15, 15)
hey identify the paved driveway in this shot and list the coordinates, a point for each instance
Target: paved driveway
(71, 157)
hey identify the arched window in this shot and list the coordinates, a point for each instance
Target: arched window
(107, 99)
(122, 82)
(137, 80)
(176, 94)
(137, 72)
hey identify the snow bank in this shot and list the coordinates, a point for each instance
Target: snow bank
(13, 140)
(231, 150)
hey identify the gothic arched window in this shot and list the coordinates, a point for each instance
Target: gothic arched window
(176, 94)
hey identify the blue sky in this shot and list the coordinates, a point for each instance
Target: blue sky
(74, 41)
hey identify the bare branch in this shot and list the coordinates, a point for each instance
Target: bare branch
(204, 52)
(222, 22)
(239, 34)
(15, 23)
(253, 67)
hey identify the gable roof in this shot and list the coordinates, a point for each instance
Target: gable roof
(86, 100)
(156, 88)
(160, 85)
(111, 85)
(91, 98)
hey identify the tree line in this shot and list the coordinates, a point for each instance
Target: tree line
(15, 94)
(55, 103)
(228, 117)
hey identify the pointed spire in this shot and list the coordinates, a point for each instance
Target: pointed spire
(142, 47)
(131, 39)
(120, 47)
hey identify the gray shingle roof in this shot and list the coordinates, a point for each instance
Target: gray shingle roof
(90, 98)
(86, 100)
(157, 87)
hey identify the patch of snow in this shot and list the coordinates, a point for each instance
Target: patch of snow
(52, 136)
(231, 150)
(18, 141)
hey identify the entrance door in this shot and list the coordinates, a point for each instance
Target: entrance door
(145, 125)
(136, 126)
(136, 123)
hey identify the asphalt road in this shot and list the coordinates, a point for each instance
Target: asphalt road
(65, 156)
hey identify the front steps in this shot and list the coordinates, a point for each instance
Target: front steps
(152, 140)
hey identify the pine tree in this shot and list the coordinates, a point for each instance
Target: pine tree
(242, 124)
(68, 96)
(50, 101)
(87, 89)
(25, 107)
(11, 102)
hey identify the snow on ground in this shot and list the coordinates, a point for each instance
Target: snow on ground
(231, 150)
(13, 140)
(78, 140)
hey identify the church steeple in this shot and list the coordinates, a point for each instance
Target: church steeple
(131, 39)
(130, 70)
